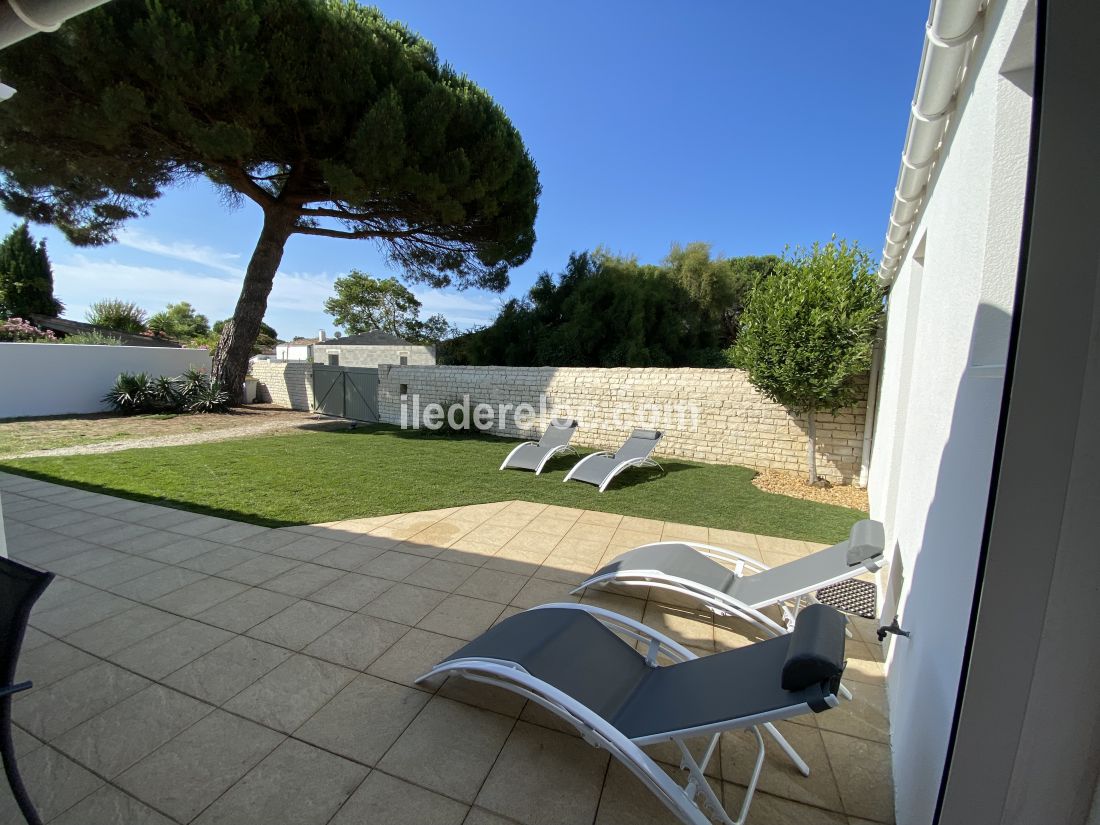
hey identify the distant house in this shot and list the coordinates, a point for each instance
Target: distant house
(300, 349)
(367, 349)
(63, 327)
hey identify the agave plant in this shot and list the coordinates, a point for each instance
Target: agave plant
(191, 384)
(131, 394)
(210, 398)
(167, 396)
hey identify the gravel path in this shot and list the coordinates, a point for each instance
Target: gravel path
(181, 439)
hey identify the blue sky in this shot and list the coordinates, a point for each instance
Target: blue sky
(746, 125)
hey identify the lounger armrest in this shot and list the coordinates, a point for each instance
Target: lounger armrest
(659, 642)
(720, 554)
(724, 554)
(18, 687)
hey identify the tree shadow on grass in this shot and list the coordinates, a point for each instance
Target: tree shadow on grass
(173, 504)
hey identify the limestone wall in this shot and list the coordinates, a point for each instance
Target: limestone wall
(286, 383)
(709, 415)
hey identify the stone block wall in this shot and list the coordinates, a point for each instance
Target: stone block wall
(708, 415)
(285, 383)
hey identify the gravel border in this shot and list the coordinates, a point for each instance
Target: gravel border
(183, 439)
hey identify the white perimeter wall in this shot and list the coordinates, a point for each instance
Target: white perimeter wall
(55, 379)
(943, 374)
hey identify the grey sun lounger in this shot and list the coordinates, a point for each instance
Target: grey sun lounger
(533, 455)
(579, 662)
(717, 578)
(600, 468)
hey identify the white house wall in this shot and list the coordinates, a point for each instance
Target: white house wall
(943, 374)
(55, 379)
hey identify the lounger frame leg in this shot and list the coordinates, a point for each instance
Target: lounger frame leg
(7, 754)
(698, 786)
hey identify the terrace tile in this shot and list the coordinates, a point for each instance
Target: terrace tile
(291, 693)
(110, 805)
(449, 748)
(544, 777)
(295, 783)
(364, 719)
(54, 783)
(383, 798)
(122, 630)
(373, 604)
(50, 712)
(357, 641)
(246, 610)
(184, 776)
(117, 738)
(298, 625)
(170, 649)
(221, 674)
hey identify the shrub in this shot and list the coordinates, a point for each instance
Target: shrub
(132, 394)
(808, 330)
(191, 392)
(192, 382)
(92, 338)
(18, 330)
(209, 398)
(167, 396)
(124, 316)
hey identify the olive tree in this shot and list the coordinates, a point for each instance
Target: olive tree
(808, 329)
(332, 120)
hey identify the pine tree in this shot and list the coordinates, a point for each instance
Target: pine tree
(332, 120)
(26, 279)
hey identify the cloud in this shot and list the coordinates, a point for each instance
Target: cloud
(212, 284)
(181, 250)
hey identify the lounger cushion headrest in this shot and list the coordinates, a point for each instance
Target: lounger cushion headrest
(652, 435)
(867, 540)
(816, 650)
(564, 423)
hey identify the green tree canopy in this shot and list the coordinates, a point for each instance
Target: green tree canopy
(267, 337)
(719, 285)
(116, 314)
(808, 330)
(603, 310)
(26, 278)
(609, 310)
(333, 120)
(363, 303)
(180, 321)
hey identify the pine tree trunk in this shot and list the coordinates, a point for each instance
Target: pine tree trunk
(239, 334)
(811, 447)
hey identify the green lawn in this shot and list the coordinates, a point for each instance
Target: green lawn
(326, 476)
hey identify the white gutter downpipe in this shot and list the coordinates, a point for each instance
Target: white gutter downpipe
(952, 26)
(19, 19)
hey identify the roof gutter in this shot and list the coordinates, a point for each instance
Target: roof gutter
(951, 28)
(19, 19)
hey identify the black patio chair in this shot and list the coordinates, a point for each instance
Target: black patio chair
(20, 587)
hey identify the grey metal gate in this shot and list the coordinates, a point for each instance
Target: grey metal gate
(346, 392)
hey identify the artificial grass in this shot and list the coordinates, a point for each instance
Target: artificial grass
(308, 478)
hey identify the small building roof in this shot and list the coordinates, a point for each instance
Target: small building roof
(63, 326)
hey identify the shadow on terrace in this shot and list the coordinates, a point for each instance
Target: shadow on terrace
(190, 668)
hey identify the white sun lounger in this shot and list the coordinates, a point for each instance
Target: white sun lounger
(579, 662)
(717, 579)
(600, 468)
(533, 455)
